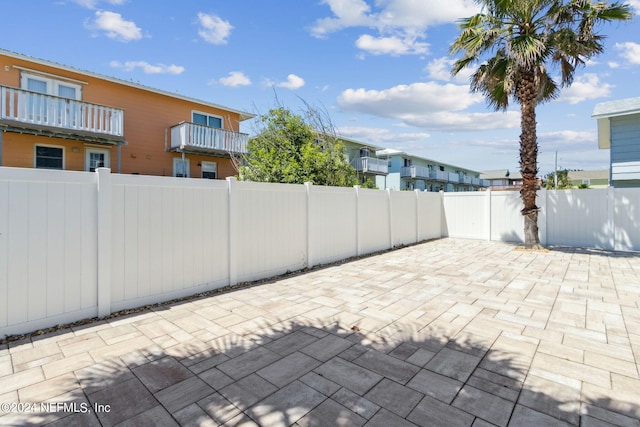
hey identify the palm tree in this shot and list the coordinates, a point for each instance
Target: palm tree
(522, 47)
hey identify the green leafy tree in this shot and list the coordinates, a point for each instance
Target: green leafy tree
(517, 48)
(288, 148)
(549, 181)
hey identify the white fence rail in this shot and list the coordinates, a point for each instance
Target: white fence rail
(76, 244)
(598, 218)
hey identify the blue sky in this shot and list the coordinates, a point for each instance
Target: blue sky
(380, 68)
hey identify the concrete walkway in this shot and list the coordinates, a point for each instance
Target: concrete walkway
(450, 332)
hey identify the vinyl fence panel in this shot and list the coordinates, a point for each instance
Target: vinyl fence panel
(465, 215)
(272, 234)
(578, 218)
(507, 223)
(170, 238)
(374, 225)
(48, 247)
(429, 215)
(404, 217)
(332, 224)
(626, 211)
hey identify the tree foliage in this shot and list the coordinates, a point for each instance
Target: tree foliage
(564, 183)
(289, 148)
(526, 51)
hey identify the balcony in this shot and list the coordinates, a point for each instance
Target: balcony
(419, 172)
(36, 113)
(371, 165)
(438, 176)
(190, 137)
(464, 179)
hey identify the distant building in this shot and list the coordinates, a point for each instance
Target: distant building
(362, 156)
(53, 116)
(619, 131)
(411, 172)
(594, 179)
(502, 179)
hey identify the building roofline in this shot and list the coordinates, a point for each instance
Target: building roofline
(621, 107)
(364, 144)
(394, 152)
(243, 114)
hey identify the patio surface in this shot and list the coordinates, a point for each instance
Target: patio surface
(449, 332)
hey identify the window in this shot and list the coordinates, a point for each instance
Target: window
(181, 168)
(209, 170)
(364, 152)
(50, 86)
(96, 158)
(586, 181)
(207, 120)
(407, 163)
(441, 168)
(39, 107)
(48, 157)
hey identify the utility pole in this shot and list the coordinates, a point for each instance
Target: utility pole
(555, 174)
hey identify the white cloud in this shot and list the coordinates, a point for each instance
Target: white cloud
(391, 45)
(235, 79)
(613, 64)
(587, 86)
(293, 82)
(347, 13)
(566, 137)
(635, 4)
(115, 26)
(213, 29)
(629, 50)
(427, 105)
(464, 122)
(408, 15)
(399, 23)
(380, 135)
(148, 68)
(402, 99)
(93, 4)
(440, 69)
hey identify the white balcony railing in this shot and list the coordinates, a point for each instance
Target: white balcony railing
(32, 108)
(414, 172)
(464, 179)
(205, 138)
(371, 165)
(438, 176)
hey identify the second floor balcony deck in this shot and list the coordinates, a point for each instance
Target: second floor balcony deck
(205, 139)
(414, 172)
(371, 165)
(23, 110)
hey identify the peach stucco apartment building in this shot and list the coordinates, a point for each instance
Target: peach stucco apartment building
(57, 117)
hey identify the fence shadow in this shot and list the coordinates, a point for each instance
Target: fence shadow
(321, 371)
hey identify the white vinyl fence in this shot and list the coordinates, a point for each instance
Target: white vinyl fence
(605, 218)
(75, 244)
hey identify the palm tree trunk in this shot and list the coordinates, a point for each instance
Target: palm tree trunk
(526, 92)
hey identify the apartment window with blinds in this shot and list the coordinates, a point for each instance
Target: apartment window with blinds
(49, 157)
(51, 86)
(207, 120)
(209, 170)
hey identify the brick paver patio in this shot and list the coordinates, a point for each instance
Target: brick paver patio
(449, 332)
